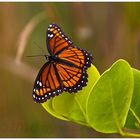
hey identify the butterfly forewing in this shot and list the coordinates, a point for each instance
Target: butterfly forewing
(78, 57)
(56, 40)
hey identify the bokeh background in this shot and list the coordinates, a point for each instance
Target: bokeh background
(108, 30)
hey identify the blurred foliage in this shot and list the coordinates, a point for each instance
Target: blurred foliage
(108, 30)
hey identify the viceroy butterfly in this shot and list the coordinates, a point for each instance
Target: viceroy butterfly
(65, 69)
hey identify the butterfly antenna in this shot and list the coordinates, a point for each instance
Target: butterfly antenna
(37, 54)
(34, 55)
(39, 47)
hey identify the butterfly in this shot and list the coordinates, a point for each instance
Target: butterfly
(65, 69)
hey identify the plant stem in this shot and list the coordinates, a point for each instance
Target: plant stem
(129, 134)
(137, 118)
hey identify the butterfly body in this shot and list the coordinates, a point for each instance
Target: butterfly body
(53, 58)
(65, 69)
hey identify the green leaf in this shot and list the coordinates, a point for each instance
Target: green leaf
(48, 107)
(65, 105)
(82, 96)
(110, 99)
(72, 106)
(133, 119)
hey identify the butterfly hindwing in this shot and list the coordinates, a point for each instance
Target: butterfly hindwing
(73, 78)
(47, 83)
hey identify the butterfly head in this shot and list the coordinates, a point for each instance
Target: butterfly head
(47, 57)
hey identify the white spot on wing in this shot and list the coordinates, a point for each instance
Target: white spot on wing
(33, 96)
(51, 35)
(40, 83)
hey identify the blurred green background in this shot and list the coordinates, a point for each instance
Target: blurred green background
(108, 30)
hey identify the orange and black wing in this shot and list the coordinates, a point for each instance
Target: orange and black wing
(57, 41)
(47, 83)
(73, 78)
(73, 68)
(73, 61)
(77, 57)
